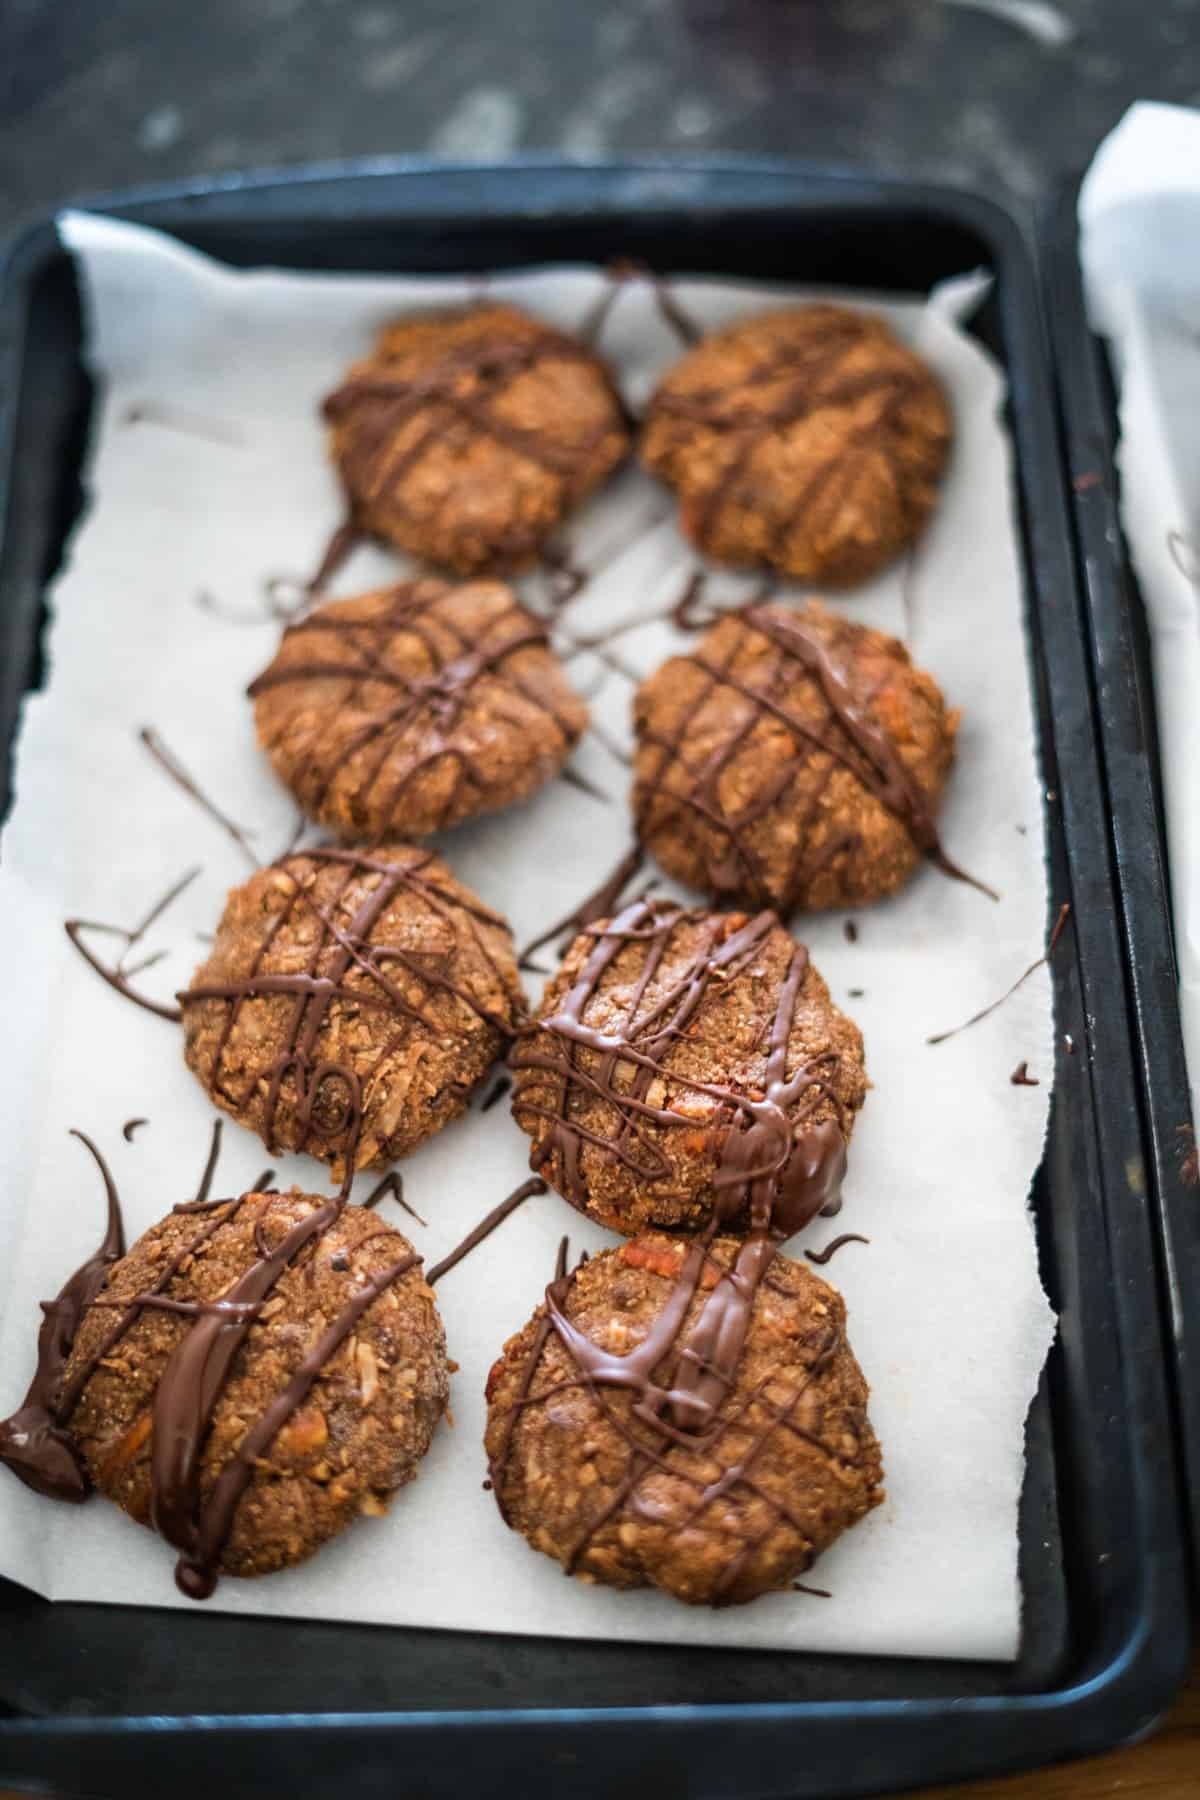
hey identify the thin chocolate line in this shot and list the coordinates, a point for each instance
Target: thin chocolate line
(574, 779)
(186, 424)
(984, 1012)
(392, 1184)
(486, 1226)
(599, 904)
(823, 1256)
(171, 766)
(130, 1126)
(117, 976)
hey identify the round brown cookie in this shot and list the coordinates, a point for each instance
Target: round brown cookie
(249, 1437)
(808, 440)
(607, 1457)
(793, 759)
(350, 1003)
(466, 437)
(408, 709)
(673, 1052)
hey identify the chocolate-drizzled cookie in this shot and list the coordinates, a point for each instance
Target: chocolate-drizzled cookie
(251, 1375)
(466, 437)
(684, 1417)
(793, 760)
(351, 1002)
(808, 440)
(676, 1054)
(405, 710)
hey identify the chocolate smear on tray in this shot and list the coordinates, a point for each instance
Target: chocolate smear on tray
(33, 1442)
(1021, 1077)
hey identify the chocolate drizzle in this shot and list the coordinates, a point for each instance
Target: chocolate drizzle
(118, 975)
(429, 703)
(599, 904)
(329, 1098)
(778, 1165)
(527, 1191)
(33, 1442)
(621, 273)
(456, 396)
(848, 739)
(171, 766)
(831, 1249)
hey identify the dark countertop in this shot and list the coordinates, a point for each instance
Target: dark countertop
(999, 94)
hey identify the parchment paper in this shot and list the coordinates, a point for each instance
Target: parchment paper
(1139, 210)
(208, 473)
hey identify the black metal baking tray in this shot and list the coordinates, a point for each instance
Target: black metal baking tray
(121, 1701)
(1120, 648)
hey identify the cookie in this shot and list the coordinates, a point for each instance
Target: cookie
(793, 759)
(676, 1050)
(406, 710)
(252, 1375)
(351, 1002)
(808, 440)
(685, 1417)
(467, 437)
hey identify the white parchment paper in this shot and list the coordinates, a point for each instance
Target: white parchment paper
(1139, 211)
(208, 473)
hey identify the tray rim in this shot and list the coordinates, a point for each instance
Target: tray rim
(1128, 735)
(1124, 1696)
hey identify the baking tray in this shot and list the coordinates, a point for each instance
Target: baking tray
(113, 1700)
(1120, 646)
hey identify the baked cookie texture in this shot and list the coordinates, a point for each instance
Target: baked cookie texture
(808, 440)
(409, 709)
(351, 1002)
(626, 1481)
(793, 759)
(143, 1378)
(672, 1052)
(467, 437)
